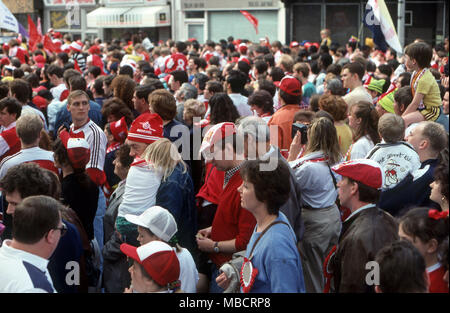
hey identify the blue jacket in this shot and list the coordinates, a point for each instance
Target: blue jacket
(176, 194)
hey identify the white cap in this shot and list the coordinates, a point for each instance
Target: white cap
(158, 220)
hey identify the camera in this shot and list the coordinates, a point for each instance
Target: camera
(303, 131)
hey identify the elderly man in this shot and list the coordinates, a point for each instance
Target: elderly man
(255, 133)
(367, 230)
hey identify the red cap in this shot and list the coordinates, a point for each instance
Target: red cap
(216, 134)
(77, 150)
(307, 45)
(94, 49)
(294, 44)
(119, 130)
(146, 128)
(316, 44)
(291, 85)
(5, 61)
(365, 171)
(243, 48)
(157, 258)
(40, 102)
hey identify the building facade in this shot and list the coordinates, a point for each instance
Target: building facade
(427, 20)
(219, 19)
(68, 16)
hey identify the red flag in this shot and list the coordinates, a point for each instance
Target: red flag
(252, 19)
(77, 67)
(48, 44)
(34, 35)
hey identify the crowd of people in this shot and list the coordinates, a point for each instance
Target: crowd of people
(230, 166)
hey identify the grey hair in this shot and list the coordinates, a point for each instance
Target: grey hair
(187, 91)
(334, 85)
(256, 127)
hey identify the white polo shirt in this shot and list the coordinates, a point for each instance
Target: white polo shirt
(21, 271)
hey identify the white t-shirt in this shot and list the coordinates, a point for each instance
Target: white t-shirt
(140, 189)
(360, 148)
(241, 104)
(188, 271)
(26, 155)
(21, 271)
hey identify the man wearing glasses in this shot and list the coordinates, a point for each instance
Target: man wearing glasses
(23, 260)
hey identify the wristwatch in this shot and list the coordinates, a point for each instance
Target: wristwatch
(216, 247)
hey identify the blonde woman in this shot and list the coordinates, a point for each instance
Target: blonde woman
(320, 213)
(176, 192)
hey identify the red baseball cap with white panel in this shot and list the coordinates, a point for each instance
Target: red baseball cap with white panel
(119, 130)
(157, 258)
(365, 171)
(216, 134)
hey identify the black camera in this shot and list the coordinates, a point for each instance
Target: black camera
(303, 131)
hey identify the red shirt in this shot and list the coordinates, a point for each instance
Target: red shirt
(177, 61)
(212, 188)
(13, 141)
(231, 221)
(437, 283)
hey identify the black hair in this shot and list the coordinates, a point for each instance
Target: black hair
(237, 81)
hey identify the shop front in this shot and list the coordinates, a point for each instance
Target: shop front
(120, 19)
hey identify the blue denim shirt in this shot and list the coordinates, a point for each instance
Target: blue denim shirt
(176, 194)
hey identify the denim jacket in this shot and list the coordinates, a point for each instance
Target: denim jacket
(176, 194)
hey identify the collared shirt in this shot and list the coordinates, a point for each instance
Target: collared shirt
(21, 271)
(230, 174)
(367, 206)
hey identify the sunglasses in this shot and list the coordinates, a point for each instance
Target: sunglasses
(63, 229)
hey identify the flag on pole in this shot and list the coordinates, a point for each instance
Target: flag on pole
(379, 21)
(252, 19)
(35, 38)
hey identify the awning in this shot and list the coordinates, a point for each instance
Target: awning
(131, 17)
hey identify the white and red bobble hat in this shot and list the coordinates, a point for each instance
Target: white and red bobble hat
(365, 171)
(146, 128)
(77, 46)
(78, 150)
(216, 134)
(242, 48)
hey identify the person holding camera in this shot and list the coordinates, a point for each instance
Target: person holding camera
(320, 213)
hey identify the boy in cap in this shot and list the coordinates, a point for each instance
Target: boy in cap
(289, 96)
(155, 269)
(364, 232)
(157, 223)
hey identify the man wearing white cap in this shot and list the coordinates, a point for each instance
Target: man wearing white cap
(156, 223)
(364, 232)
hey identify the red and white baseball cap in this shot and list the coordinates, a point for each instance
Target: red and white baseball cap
(294, 44)
(119, 130)
(242, 48)
(216, 134)
(146, 128)
(157, 258)
(365, 171)
(158, 220)
(291, 85)
(78, 150)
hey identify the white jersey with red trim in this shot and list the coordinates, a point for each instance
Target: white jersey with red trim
(97, 143)
(37, 155)
(176, 62)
